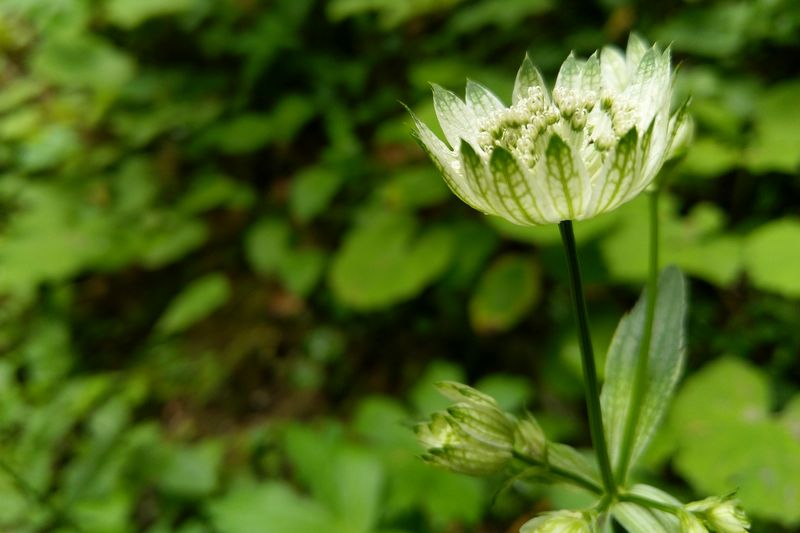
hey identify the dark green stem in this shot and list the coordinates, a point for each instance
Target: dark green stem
(591, 387)
(640, 378)
(562, 474)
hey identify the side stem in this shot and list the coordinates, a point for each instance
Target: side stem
(640, 379)
(591, 387)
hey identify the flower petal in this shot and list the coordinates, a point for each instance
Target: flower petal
(456, 119)
(591, 79)
(527, 76)
(617, 174)
(446, 163)
(635, 51)
(514, 188)
(481, 101)
(565, 179)
(569, 75)
(614, 70)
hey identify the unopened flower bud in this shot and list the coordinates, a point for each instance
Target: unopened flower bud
(558, 522)
(691, 524)
(723, 514)
(472, 437)
(530, 439)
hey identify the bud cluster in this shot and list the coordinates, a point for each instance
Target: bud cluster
(560, 522)
(473, 436)
(722, 514)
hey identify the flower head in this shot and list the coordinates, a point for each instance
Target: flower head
(472, 436)
(558, 522)
(723, 514)
(595, 142)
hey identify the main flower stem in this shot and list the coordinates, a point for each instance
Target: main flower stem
(640, 378)
(591, 387)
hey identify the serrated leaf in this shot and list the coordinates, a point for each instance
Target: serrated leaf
(666, 356)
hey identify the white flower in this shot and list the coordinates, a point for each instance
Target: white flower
(596, 142)
(558, 522)
(722, 513)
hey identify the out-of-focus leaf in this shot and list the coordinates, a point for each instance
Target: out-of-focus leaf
(312, 191)
(191, 472)
(772, 257)
(252, 131)
(716, 30)
(83, 62)
(710, 157)
(300, 270)
(197, 301)
(776, 136)
(414, 188)
(383, 261)
(250, 508)
(267, 244)
(130, 13)
(696, 243)
(511, 392)
(723, 412)
(507, 290)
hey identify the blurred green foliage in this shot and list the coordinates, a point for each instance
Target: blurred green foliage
(225, 266)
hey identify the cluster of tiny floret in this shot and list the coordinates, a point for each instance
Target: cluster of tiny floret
(520, 128)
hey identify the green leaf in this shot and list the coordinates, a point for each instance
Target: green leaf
(382, 261)
(130, 13)
(82, 62)
(511, 392)
(695, 243)
(250, 508)
(312, 191)
(348, 480)
(772, 258)
(415, 188)
(505, 293)
(266, 245)
(195, 302)
(300, 270)
(191, 472)
(666, 355)
(728, 439)
(776, 137)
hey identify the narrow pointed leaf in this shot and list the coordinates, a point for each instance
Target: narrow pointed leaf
(666, 356)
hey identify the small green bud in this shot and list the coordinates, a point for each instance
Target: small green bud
(723, 514)
(472, 437)
(530, 439)
(691, 524)
(559, 522)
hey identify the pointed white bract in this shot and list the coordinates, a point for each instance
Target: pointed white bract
(596, 141)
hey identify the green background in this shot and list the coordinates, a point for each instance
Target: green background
(228, 275)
